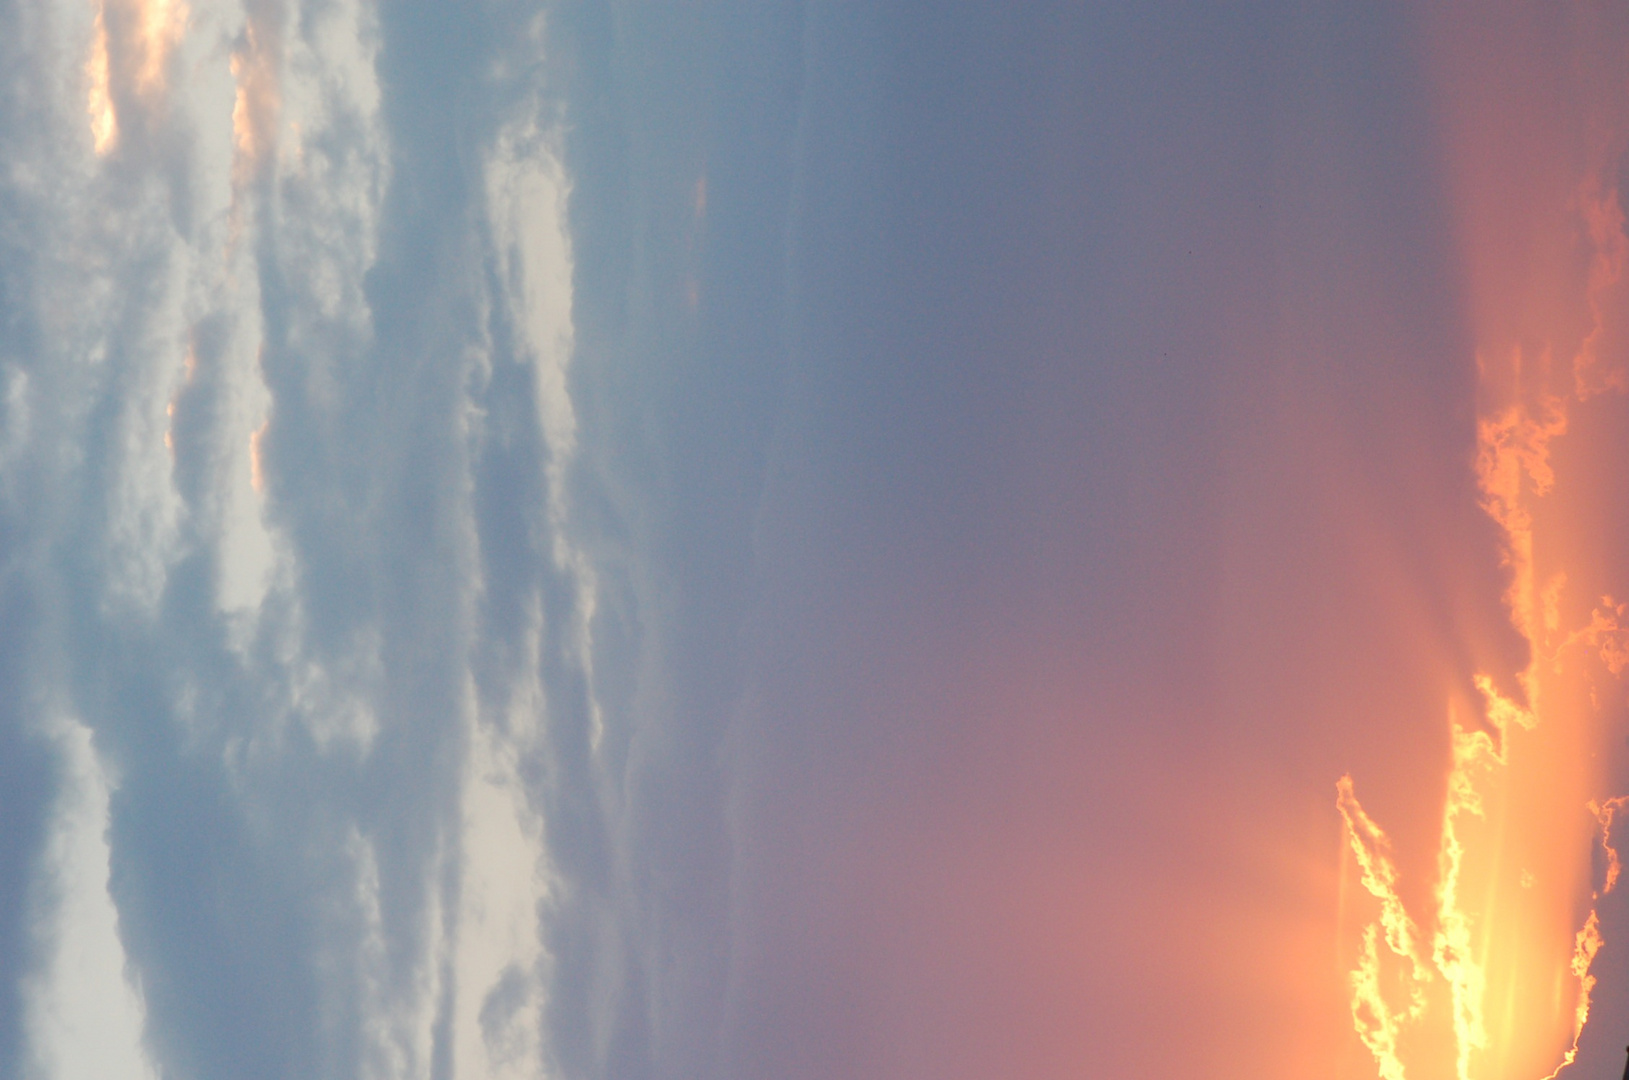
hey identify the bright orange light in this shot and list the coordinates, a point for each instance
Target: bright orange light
(1533, 122)
(257, 475)
(103, 123)
(257, 102)
(160, 25)
(1505, 991)
(131, 46)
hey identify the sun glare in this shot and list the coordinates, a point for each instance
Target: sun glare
(1493, 979)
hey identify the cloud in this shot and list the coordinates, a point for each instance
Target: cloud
(402, 612)
(85, 1019)
(283, 526)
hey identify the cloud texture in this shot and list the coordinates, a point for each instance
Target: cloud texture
(285, 434)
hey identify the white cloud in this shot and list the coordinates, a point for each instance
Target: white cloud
(497, 1027)
(85, 1019)
(527, 191)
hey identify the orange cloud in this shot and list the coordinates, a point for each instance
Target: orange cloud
(1533, 129)
(256, 68)
(104, 124)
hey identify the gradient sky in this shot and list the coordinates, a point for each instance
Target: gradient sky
(739, 539)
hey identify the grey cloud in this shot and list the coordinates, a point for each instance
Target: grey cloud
(403, 462)
(679, 378)
(28, 780)
(417, 572)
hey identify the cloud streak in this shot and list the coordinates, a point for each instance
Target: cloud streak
(85, 1019)
(287, 500)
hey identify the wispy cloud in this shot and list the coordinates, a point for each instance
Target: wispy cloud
(85, 1018)
(283, 488)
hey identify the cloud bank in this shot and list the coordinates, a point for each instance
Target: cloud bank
(291, 606)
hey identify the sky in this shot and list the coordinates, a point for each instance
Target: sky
(727, 539)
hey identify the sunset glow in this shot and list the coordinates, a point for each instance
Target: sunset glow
(132, 42)
(103, 122)
(254, 110)
(1501, 987)
(159, 26)
(1495, 976)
